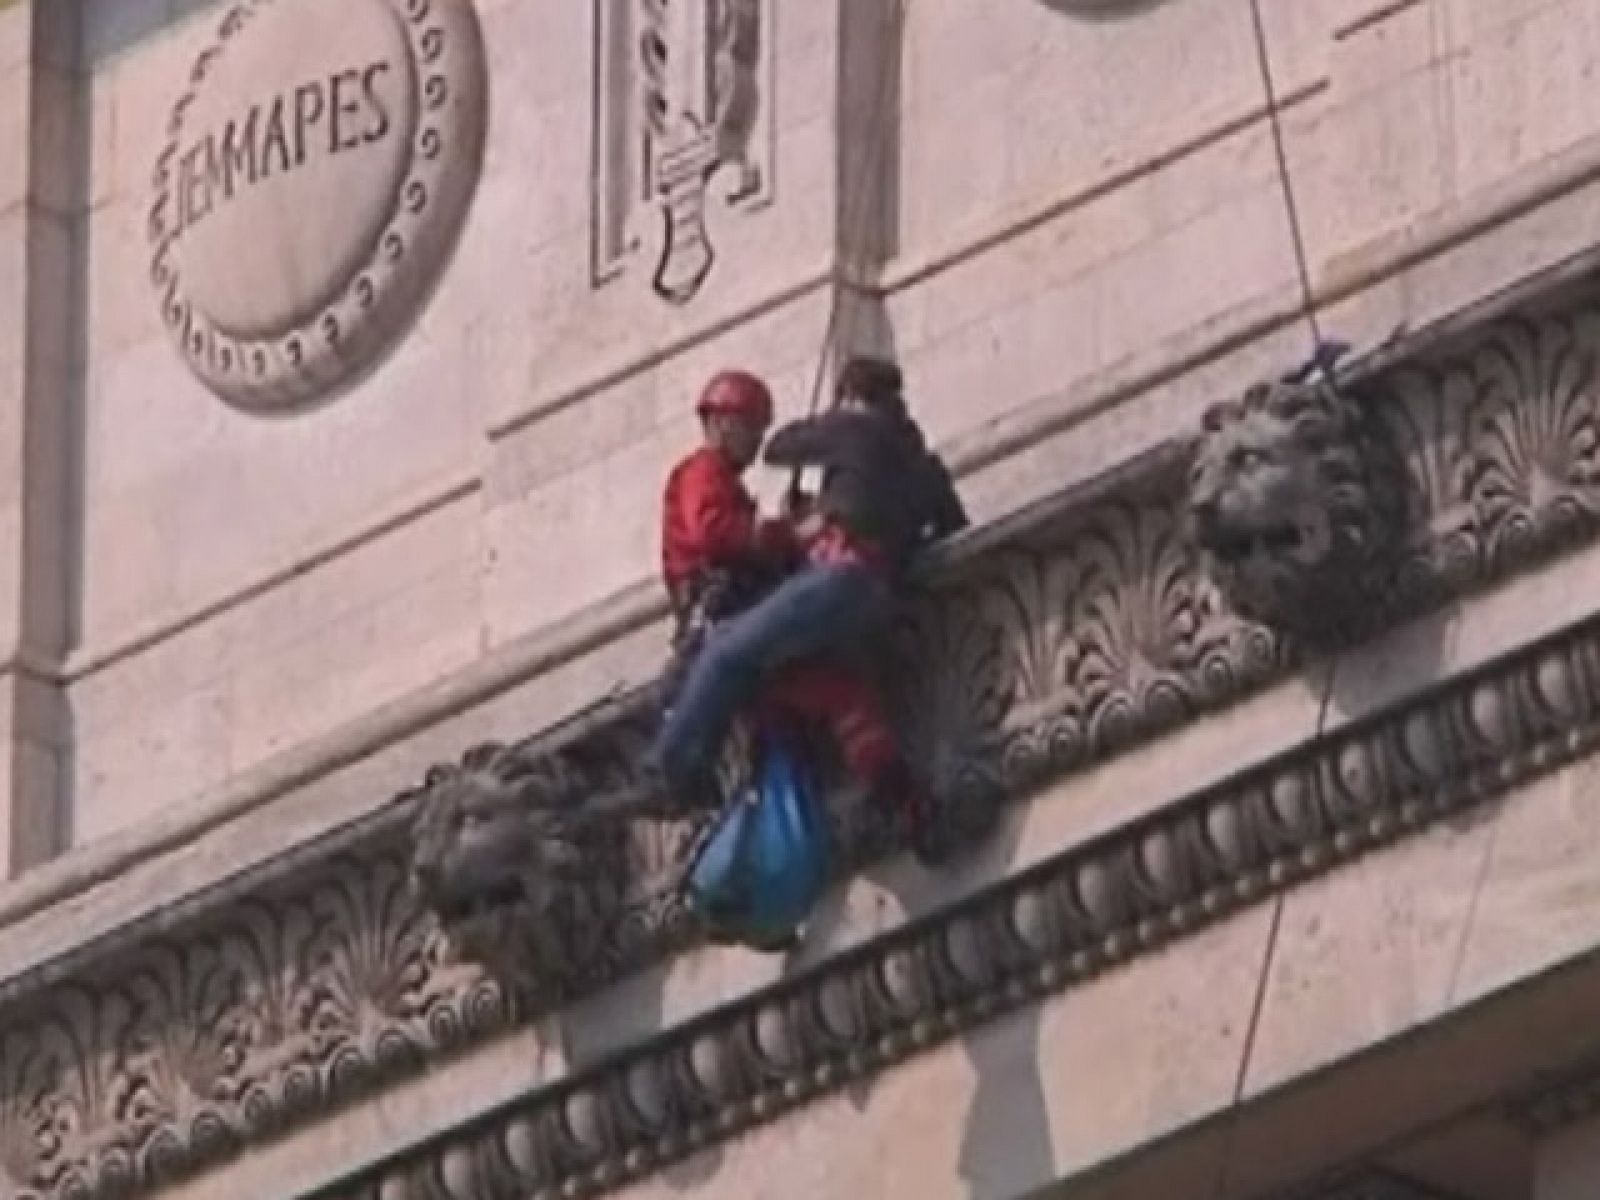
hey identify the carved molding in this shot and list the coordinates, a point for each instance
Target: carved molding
(294, 989)
(1056, 926)
(683, 122)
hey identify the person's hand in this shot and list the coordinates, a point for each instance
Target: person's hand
(809, 526)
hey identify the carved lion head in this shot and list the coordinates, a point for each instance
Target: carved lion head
(518, 876)
(1295, 502)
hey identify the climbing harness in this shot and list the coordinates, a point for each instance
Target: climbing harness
(1308, 301)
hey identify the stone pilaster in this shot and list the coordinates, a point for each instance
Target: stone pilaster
(41, 218)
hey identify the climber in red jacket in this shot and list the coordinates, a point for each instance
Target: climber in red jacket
(883, 497)
(718, 556)
(716, 551)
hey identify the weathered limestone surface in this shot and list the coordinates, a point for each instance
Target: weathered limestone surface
(1069, 278)
(231, 639)
(357, 994)
(1411, 938)
(1459, 959)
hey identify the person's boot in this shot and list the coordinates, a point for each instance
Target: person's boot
(918, 814)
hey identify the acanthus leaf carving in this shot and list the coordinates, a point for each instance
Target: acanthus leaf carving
(1058, 925)
(1534, 473)
(1045, 654)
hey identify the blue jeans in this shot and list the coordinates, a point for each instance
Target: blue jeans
(817, 610)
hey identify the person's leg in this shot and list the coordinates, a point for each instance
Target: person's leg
(860, 725)
(847, 703)
(812, 611)
(851, 706)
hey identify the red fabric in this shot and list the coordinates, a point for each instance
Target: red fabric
(708, 519)
(848, 705)
(835, 544)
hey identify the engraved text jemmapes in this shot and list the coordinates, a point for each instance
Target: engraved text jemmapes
(275, 137)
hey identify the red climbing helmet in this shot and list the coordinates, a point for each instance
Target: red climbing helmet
(737, 393)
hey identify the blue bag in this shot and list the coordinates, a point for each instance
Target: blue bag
(764, 864)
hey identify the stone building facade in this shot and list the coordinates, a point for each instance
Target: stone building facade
(348, 344)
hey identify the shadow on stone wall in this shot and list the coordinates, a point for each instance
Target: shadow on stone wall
(1101, 10)
(1007, 1148)
(1006, 1144)
(1365, 682)
(692, 1174)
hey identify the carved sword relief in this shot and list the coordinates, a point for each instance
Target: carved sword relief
(682, 111)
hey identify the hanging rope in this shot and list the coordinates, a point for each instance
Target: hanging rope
(1258, 1005)
(854, 211)
(1308, 301)
(1323, 356)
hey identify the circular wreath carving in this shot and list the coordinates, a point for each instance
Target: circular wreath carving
(315, 175)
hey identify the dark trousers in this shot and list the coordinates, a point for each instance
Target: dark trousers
(821, 609)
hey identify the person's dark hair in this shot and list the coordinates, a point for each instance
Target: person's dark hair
(872, 380)
(876, 380)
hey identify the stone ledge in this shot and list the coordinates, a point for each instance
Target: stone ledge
(1064, 637)
(1050, 928)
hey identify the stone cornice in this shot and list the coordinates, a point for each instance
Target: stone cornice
(1052, 927)
(1075, 631)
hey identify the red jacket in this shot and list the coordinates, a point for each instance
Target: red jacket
(709, 520)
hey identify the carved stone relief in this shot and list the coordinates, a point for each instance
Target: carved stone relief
(529, 875)
(1110, 628)
(1297, 499)
(683, 122)
(293, 989)
(1058, 926)
(318, 166)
